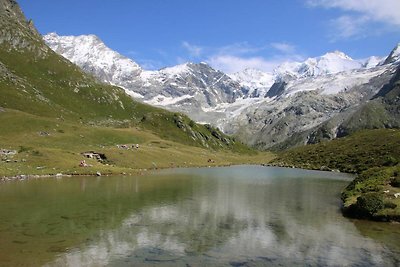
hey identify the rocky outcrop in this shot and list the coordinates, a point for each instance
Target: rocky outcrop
(18, 33)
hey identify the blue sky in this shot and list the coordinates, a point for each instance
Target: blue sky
(228, 34)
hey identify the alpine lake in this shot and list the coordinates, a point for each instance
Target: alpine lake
(228, 216)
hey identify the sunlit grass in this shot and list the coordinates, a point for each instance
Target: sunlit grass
(50, 146)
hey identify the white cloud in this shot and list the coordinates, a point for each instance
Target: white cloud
(239, 56)
(284, 47)
(194, 50)
(360, 14)
(231, 64)
(348, 26)
(386, 11)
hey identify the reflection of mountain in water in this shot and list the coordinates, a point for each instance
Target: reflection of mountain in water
(269, 216)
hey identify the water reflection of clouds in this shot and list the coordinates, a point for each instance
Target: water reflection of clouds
(287, 221)
(331, 245)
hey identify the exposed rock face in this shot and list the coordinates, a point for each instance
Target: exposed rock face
(11, 8)
(16, 32)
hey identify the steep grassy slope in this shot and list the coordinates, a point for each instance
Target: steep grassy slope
(372, 154)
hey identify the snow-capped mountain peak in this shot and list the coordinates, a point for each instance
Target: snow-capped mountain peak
(372, 62)
(176, 70)
(330, 63)
(336, 54)
(394, 56)
(257, 81)
(92, 55)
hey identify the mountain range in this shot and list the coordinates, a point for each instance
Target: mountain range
(292, 105)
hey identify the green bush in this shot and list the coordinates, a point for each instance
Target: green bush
(23, 149)
(369, 204)
(395, 182)
(36, 153)
(390, 205)
(390, 161)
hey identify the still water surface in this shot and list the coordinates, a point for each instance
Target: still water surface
(233, 216)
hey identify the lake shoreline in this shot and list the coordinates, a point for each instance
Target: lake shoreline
(346, 212)
(135, 172)
(139, 172)
(352, 211)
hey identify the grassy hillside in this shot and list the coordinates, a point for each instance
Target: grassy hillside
(50, 112)
(50, 146)
(372, 154)
(352, 154)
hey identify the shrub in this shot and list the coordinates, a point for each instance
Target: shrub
(390, 205)
(395, 182)
(390, 161)
(36, 153)
(23, 149)
(369, 204)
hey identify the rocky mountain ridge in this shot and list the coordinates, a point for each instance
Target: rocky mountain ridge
(264, 109)
(188, 87)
